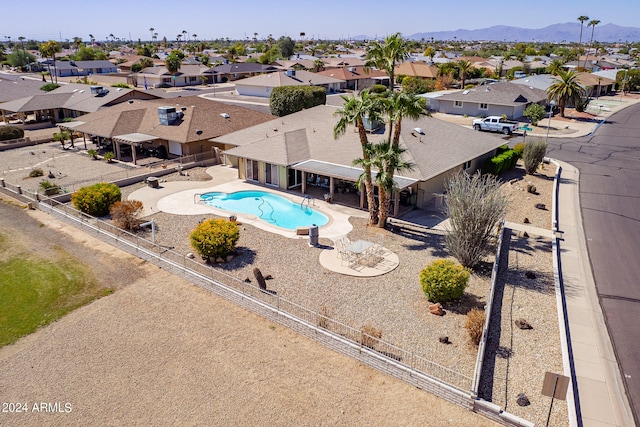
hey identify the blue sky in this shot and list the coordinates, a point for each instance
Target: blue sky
(324, 19)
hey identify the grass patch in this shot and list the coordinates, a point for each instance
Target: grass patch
(35, 292)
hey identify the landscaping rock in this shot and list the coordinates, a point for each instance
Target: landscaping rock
(526, 221)
(229, 258)
(444, 340)
(525, 234)
(268, 277)
(541, 206)
(523, 324)
(190, 255)
(523, 400)
(247, 280)
(436, 309)
(219, 260)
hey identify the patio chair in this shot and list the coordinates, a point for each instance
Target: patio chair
(349, 258)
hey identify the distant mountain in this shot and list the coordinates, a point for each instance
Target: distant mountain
(569, 32)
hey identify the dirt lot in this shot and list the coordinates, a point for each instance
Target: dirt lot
(163, 352)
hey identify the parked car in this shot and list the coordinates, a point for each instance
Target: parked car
(495, 124)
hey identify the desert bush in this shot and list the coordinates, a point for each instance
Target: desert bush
(531, 189)
(444, 280)
(534, 151)
(475, 205)
(96, 199)
(519, 149)
(108, 156)
(49, 187)
(215, 238)
(36, 173)
(125, 214)
(8, 133)
(49, 87)
(92, 153)
(370, 336)
(378, 88)
(474, 325)
(535, 112)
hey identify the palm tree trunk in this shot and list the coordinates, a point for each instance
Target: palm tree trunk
(368, 182)
(384, 200)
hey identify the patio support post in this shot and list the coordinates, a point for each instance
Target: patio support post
(117, 144)
(396, 203)
(133, 154)
(304, 182)
(331, 189)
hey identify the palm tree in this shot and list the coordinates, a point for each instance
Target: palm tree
(386, 55)
(355, 111)
(318, 65)
(566, 91)
(151, 30)
(464, 67)
(592, 24)
(77, 41)
(185, 36)
(556, 67)
(195, 37)
(49, 50)
(383, 157)
(92, 38)
(582, 19)
(173, 63)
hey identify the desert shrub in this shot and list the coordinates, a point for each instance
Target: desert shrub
(125, 214)
(531, 189)
(370, 336)
(108, 156)
(533, 153)
(378, 89)
(121, 85)
(444, 280)
(474, 325)
(36, 173)
(291, 99)
(215, 238)
(92, 153)
(49, 187)
(96, 199)
(475, 205)
(10, 132)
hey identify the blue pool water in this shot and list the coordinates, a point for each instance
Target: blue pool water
(269, 207)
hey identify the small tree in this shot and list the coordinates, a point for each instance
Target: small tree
(108, 156)
(534, 151)
(444, 280)
(474, 205)
(96, 199)
(215, 238)
(291, 99)
(125, 214)
(534, 112)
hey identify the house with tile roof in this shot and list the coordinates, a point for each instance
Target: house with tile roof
(356, 78)
(157, 77)
(240, 70)
(298, 152)
(492, 100)
(176, 127)
(417, 69)
(263, 84)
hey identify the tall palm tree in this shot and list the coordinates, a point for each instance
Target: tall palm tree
(386, 55)
(92, 38)
(49, 50)
(555, 67)
(151, 30)
(582, 19)
(566, 90)
(77, 41)
(464, 67)
(592, 24)
(173, 63)
(354, 112)
(185, 36)
(383, 157)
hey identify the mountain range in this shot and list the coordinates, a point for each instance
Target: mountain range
(568, 32)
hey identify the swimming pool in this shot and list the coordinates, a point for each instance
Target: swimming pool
(269, 207)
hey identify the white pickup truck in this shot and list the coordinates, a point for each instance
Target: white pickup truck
(495, 124)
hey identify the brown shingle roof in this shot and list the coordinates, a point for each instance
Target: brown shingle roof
(417, 69)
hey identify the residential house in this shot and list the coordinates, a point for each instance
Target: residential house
(82, 68)
(166, 128)
(263, 85)
(356, 78)
(187, 75)
(69, 101)
(240, 70)
(343, 61)
(417, 69)
(595, 85)
(298, 152)
(492, 100)
(130, 60)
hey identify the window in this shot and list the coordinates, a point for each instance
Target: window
(193, 79)
(166, 80)
(457, 104)
(483, 106)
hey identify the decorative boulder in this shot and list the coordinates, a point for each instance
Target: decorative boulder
(523, 324)
(526, 221)
(444, 340)
(523, 400)
(436, 309)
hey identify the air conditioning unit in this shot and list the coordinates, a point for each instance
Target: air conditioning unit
(291, 73)
(98, 90)
(167, 115)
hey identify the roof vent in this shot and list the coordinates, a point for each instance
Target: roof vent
(352, 69)
(198, 132)
(225, 115)
(291, 73)
(465, 92)
(418, 130)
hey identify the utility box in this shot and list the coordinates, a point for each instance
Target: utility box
(153, 182)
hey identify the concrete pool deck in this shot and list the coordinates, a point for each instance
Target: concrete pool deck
(180, 198)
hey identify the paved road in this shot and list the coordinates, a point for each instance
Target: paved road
(609, 164)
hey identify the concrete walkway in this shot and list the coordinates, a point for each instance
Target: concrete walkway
(602, 398)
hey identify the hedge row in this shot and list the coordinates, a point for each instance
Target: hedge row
(291, 99)
(504, 160)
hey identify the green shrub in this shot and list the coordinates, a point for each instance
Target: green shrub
(215, 238)
(534, 152)
(49, 187)
(378, 89)
(519, 149)
(10, 132)
(122, 85)
(49, 87)
(108, 156)
(291, 99)
(96, 199)
(36, 173)
(502, 149)
(92, 153)
(504, 161)
(535, 112)
(444, 280)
